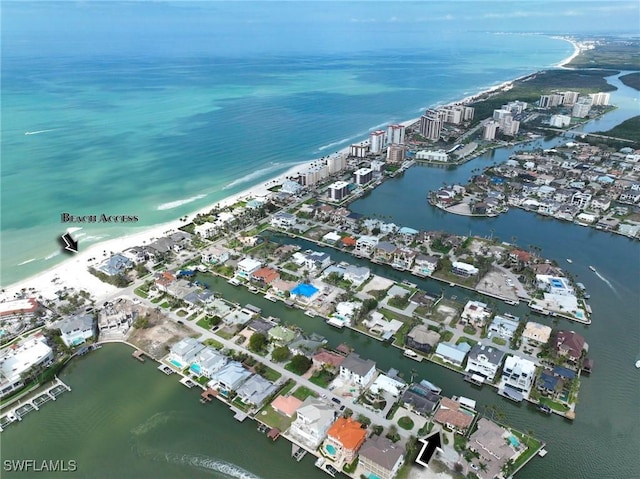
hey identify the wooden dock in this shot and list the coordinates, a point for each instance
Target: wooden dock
(139, 355)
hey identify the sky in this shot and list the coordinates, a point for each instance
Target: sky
(237, 28)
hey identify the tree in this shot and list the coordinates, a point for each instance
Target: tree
(280, 354)
(299, 364)
(257, 342)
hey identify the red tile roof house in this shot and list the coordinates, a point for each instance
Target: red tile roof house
(327, 359)
(265, 275)
(570, 344)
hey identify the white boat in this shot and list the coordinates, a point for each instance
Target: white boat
(569, 261)
(592, 269)
(638, 364)
(412, 354)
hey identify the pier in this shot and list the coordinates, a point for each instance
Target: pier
(139, 355)
(33, 403)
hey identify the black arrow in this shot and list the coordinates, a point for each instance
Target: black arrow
(70, 243)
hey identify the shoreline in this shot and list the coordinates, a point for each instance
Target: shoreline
(74, 270)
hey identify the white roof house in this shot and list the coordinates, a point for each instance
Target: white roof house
(185, 351)
(248, 266)
(313, 419)
(230, 377)
(476, 313)
(518, 373)
(256, 390)
(208, 362)
(357, 274)
(504, 327)
(390, 385)
(77, 330)
(463, 269)
(484, 360)
(17, 359)
(357, 370)
(536, 333)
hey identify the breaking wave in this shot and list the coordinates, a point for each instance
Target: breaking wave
(253, 176)
(27, 261)
(174, 204)
(217, 465)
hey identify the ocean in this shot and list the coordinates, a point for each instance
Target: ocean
(159, 133)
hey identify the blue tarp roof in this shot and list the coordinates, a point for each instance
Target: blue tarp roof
(564, 372)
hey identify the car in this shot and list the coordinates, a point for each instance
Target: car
(324, 396)
(179, 322)
(474, 467)
(336, 400)
(342, 408)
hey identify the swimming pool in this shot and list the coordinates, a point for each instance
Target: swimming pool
(330, 449)
(176, 363)
(195, 368)
(514, 441)
(305, 289)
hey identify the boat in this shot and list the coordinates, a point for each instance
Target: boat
(511, 302)
(412, 354)
(638, 364)
(592, 269)
(544, 409)
(569, 261)
(234, 282)
(310, 313)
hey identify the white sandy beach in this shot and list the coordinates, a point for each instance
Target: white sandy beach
(74, 273)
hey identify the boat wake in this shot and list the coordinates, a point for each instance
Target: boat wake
(39, 131)
(174, 204)
(255, 175)
(608, 283)
(336, 143)
(226, 468)
(52, 255)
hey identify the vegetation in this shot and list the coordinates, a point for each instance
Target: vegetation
(118, 280)
(405, 422)
(350, 468)
(322, 378)
(257, 342)
(628, 129)
(303, 393)
(299, 364)
(399, 302)
(280, 354)
(213, 343)
(632, 80)
(499, 341)
(623, 55)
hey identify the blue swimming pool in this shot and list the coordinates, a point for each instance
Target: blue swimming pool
(330, 449)
(195, 368)
(176, 363)
(514, 441)
(305, 289)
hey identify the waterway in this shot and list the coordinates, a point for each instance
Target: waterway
(126, 419)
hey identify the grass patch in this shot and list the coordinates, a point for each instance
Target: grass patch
(469, 330)
(290, 384)
(437, 360)
(273, 418)
(213, 343)
(182, 313)
(141, 293)
(303, 393)
(446, 335)
(204, 323)
(405, 422)
(532, 447)
(499, 341)
(225, 333)
(464, 339)
(164, 305)
(322, 378)
(271, 374)
(555, 405)
(459, 442)
(157, 299)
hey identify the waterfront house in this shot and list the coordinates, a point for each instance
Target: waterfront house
(379, 457)
(356, 274)
(136, 254)
(116, 264)
(344, 438)
(421, 338)
(475, 313)
(283, 220)
(425, 265)
(306, 346)
(313, 419)
(184, 352)
(383, 252)
(286, 405)
(489, 440)
(20, 357)
(281, 336)
(327, 360)
(365, 245)
(536, 333)
(208, 362)
(452, 416)
(77, 329)
(280, 287)
(420, 399)
(265, 276)
(503, 327)
(570, 344)
(215, 255)
(164, 280)
(403, 258)
(229, 378)
(407, 235)
(255, 391)
(563, 373)
(484, 360)
(378, 324)
(346, 311)
(464, 269)
(549, 385)
(356, 370)
(452, 354)
(388, 384)
(315, 260)
(247, 266)
(519, 374)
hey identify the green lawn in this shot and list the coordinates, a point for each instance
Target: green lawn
(464, 339)
(405, 422)
(499, 341)
(272, 418)
(157, 299)
(303, 393)
(555, 405)
(271, 374)
(322, 378)
(532, 447)
(459, 442)
(204, 323)
(182, 313)
(445, 336)
(213, 343)
(225, 334)
(164, 305)
(141, 293)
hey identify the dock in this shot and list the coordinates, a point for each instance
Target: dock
(208, 395)
(166, 369)
(187, 382)
(33, 403)
(474, 379)
(542, 452)
(139, 355)
(297, 452)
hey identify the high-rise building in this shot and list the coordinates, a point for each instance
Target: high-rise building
(490, 129)
(376, 141)
(515, 107)
(501, 114)
(581, 108)
(550, 101)
(336, 163)
(363, 176)
(395, 154)
(395, 134)
(599, 99)
(314, 174)
(569, 97)
(358, 151)
(338, 191)
(559, 121)
(509, 126)
(431, 125)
